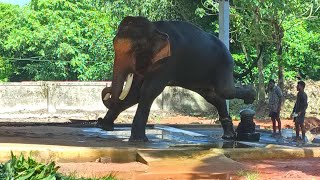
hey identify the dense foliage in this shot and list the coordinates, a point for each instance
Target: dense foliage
(59, 40)
(72, 40)
(20, 168)
(272, 39)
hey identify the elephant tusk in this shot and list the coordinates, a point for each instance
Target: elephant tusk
(107, 96)
(127, 87)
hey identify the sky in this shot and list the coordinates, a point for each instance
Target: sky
(18, 2)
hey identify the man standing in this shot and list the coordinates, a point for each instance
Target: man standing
(299, 110)
(275, 99)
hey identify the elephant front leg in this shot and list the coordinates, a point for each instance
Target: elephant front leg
(148, 94)
(107, 123)
(153, 85)
(138, 130)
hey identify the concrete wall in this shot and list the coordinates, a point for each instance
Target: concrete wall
(52, 96)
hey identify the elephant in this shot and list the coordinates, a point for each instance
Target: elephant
(152, 55)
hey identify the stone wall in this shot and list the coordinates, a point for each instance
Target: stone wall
(52, 96)
(86, 96)
(32, 96)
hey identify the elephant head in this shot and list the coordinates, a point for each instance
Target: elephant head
(138, 44)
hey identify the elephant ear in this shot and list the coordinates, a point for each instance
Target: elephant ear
(161, 46)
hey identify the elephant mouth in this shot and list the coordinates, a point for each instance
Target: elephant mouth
(106, 93)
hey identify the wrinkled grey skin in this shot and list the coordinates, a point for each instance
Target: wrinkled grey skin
(199, 62)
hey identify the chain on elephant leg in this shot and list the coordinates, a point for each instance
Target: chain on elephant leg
(228, 131)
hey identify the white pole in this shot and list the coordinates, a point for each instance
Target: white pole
(224, 12)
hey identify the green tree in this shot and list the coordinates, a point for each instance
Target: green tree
(248, 37)
(67, 40)
(263, 23)
(8, 14)
(302, 50)
(5, 70)
(156, 10)
(72, 40)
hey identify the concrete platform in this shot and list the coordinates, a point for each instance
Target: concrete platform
(174, 152)
(48, 153)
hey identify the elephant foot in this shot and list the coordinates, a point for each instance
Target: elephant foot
(105, 126)
(250, 97)
(138, 138)
(228, 131)
(249, 101)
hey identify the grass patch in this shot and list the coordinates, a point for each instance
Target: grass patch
(249, 175)
(20, 168)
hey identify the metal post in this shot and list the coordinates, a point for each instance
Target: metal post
(224, 12)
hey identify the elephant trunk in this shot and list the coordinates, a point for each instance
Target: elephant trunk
(123, 68)
(117, 84)
(105, 95)
(121, 76)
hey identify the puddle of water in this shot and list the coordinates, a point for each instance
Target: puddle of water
(119, 132)
(215, 133)
(161, 136)
(265, 138)
(285, 140)
(166, 136)
(218, 144)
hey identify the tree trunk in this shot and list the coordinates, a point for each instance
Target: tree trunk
(278, 36)
(280, 72)
(280, 64)
(261, 88)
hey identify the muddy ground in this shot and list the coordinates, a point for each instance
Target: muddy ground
(307, 168)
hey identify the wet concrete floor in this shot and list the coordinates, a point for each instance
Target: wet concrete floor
(160, 136)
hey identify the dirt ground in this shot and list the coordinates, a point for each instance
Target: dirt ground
(307, 168)
(285, 169)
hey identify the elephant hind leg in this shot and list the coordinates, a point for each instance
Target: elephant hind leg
(221, 106)
(226, 89)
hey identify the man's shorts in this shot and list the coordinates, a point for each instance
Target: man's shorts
(299, 119)
(274, 114)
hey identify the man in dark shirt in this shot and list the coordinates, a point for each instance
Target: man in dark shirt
(299, 110)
